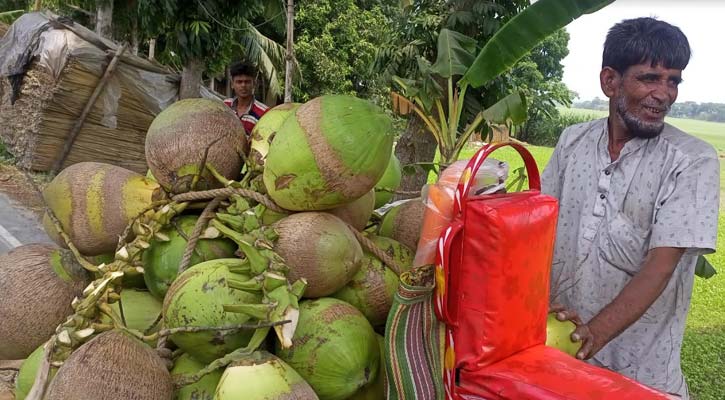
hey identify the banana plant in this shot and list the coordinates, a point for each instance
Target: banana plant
(458, 68)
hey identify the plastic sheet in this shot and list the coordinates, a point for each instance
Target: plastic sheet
(37, 36)
(438, 199)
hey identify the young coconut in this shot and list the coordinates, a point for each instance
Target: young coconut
(262, 376)
(112, 366)
(404, 223)
(358, 212)
(139, 309)
(371, 290)
(203, 389)
(389, 183)
(197, 298)
(162, 259)
(265, 131)
(94, 203)
(320, 248)
(334, 349)
(558, 335)
(181, 134)
(38, 282)
(334, 149)
(375, 390)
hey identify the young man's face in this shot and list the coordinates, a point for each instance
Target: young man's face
(644, 96)
(243, 86)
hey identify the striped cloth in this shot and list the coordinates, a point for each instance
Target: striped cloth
(253, 114)
(414, 340)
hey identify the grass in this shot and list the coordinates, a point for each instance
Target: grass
(703, 349)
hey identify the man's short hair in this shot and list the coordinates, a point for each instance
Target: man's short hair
(640, 40)
(243, 68)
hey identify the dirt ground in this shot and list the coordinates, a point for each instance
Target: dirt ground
(15, 185)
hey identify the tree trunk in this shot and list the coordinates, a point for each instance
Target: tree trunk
(289, 58)
(134, 36)
(415, 145)
(104, 18)
(191, 79)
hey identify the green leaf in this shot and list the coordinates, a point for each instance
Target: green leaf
(704, 269)
(522, 33)
(511, 108)
(456, 53)
(9, 17)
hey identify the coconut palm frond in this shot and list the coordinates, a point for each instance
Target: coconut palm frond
(271, 74)
(274, 50)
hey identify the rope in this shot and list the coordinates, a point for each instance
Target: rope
(201, 224)
(370, 246)
(227, 192)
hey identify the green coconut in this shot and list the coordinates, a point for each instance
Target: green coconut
(371, 290)
(201, 390)
(38, 282)
(375, 390)
(28, 370)
(140, 310)
(162, 259)
(262, 376)
(265, 131)
(112, 366)
(358, 212)
(558, 335)
(94, 203)
(197, 298)
(334, 349)
(320, 248)
(404, 223)
(389, 183)
(179, 137)
(333, 150)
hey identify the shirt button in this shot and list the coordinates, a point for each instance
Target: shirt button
(602, 196)
(607, 172)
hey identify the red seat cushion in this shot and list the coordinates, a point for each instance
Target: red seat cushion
(545, 373)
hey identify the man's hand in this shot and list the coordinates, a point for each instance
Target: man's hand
(583, 332)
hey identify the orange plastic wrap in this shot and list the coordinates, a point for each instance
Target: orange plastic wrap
(438, 199)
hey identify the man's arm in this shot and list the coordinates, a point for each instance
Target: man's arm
(631, 303)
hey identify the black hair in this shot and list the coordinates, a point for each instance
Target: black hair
(243, 68)
(640, 40)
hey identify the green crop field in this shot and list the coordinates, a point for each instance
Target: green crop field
(703, 350)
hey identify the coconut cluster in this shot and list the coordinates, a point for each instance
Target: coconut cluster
(277, 299)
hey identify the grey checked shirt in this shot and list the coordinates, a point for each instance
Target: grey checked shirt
(660, 192)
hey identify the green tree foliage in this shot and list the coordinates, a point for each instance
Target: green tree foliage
(539, 76)
(335, 43)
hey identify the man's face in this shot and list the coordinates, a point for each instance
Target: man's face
(243, 86)
(644, 96)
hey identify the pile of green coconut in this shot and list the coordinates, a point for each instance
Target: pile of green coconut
(235, 269)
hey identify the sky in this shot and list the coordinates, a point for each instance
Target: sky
(702, 21)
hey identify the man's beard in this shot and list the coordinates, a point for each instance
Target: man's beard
(637, 127)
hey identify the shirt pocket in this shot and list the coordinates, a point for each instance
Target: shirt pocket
(623, 244)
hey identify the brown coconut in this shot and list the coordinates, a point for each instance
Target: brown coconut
(404, 223)
(37, 285)
(180, 135)
(94, 203)
(319, 247)
(358, 212)
(112, 366)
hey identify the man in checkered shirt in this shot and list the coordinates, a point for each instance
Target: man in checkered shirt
(248, 109)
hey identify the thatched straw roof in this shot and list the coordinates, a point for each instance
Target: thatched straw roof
(49, 68)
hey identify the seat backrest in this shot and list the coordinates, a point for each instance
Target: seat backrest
(499, 262)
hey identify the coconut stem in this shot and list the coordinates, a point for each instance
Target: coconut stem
(254, 343)
(187, 329)
(77, 254)
(37, 392)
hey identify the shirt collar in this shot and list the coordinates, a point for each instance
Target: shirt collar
(631, 146)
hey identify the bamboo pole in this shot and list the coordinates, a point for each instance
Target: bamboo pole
(82, 118)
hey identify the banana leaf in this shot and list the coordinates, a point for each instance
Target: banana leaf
(522, 33)
(456, 53)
